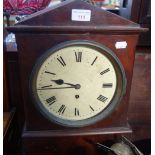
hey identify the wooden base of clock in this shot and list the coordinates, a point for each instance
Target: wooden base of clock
(69, 142)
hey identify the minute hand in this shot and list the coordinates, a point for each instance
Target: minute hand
(56, 88)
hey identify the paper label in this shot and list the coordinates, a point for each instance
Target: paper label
(81, 15)
(121, 44)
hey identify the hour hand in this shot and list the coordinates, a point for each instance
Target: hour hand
(60, 82)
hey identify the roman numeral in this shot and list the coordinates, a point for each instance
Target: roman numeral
(94, 61)
(107, 85)
(91, 108)
(51, 100)
(105, 71)
(61, 60)
(50, 73)
(62, 109)
(78, 56)
(76, 112)
(102, 98)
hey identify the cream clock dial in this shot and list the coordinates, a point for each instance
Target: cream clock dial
(75, 83)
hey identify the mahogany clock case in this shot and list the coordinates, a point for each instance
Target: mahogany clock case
(44, 30)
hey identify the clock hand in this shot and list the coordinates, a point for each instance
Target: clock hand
(60, 82)
(55, 88)
(46, 86)
(77, 86)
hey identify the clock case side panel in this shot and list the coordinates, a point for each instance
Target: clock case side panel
(32, 46)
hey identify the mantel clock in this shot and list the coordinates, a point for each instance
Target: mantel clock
(76, 64)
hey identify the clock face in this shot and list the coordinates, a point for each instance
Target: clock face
(75, 83)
